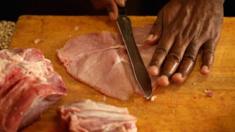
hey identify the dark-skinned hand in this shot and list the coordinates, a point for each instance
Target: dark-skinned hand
(110, 5)
(184, 27)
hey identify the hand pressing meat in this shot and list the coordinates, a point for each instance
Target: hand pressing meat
(110, 5)
(182, 29)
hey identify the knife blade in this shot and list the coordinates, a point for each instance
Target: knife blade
(140, 73)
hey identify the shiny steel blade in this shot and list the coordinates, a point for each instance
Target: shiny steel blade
(137, 64)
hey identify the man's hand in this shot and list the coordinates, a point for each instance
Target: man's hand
(110, 5)
(182, 29)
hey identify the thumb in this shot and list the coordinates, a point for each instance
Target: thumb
(121, 3)
(113, 10)
(156, 30)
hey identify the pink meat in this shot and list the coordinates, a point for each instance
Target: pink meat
(100, 60)
(90, 116)
(28, 86)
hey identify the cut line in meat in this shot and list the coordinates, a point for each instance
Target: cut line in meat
(100, 60)
(28, 86)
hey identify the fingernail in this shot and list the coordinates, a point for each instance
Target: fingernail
(152, 37)
(205, 70)
(112, 16)
(122, 2)
(163, 81)
(178, 78)
(153, 70)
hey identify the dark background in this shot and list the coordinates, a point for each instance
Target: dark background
(12, 9)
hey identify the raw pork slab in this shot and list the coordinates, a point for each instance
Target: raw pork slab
(28, 86)
(90, 116)
(100, 60)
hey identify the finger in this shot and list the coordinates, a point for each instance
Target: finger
(113, 10)
(173, 58)
(155, 32)
(160, 53)
(163, 81)
(207, 56)
(121, 2)
(153, 70)
(101, 5)
(187, 63)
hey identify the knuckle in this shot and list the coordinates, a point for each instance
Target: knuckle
(209, 51)
(175, 57)
(161, 50)
(158, 56)
(190, 57)
(191, 52)
(154, 62)
(193, 47)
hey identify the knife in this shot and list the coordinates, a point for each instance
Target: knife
(140, 73)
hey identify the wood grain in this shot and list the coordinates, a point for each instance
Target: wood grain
(176, 108)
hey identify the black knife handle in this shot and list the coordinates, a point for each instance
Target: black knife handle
(121, 10)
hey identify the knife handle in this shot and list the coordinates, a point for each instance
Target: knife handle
(121, 10)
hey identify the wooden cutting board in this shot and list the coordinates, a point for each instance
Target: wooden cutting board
(176, 108)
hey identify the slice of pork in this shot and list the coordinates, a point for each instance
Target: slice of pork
(90, 116)
(28, 86)
(100, 60)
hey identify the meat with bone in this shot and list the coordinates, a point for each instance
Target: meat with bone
(100, 60)
(90, 116)
(28, 86)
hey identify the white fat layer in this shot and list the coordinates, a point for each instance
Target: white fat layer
(105, 115)
(116, 118)
(118, 60)
(91, 105)
(118, 127)
(38, 69)
(3, 64)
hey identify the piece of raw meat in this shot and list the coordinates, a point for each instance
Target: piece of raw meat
(90, 116)
(100, 60)
(28, 86)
